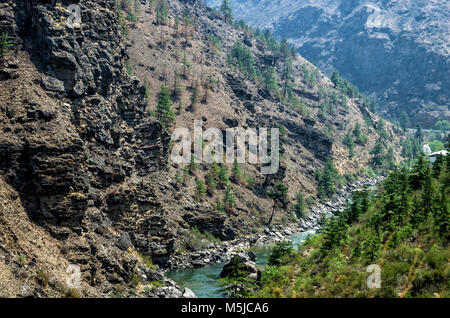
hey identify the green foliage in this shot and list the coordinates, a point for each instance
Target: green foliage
(200, 190)
(147, 91)
(162, 11)
(223, 176)
(279, 253)
(328, 179)
(348, 141)
(360, 139)
(226, 10)
(270, 80)
(214, 42)
(147, 260)
(300, 205)
(436, 145)
(378, 154)
(236, 170)
(164, 110)
(177, 90)
(211, 184)
(195, 94)
(129, 68)
(229, 199)
(5, 46)
(403, 227)
(286, 76)
(350, 90)
(242, 58)
(411, 147)
(404, 120)
(310, 76)
(279, 194)
(443, 125)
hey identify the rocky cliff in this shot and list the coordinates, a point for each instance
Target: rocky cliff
(397, 52)
(84, 172)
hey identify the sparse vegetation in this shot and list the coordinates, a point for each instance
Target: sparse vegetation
(5, 46)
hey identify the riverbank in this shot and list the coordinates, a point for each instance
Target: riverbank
(221, 253)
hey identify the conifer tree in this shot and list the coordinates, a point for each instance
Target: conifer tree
(162, 11)
(5, 46)
(195, 95)
(269, 79)
(328, 179)
(211, 184)
(226, 10)
(378, 154)
(223, 176)
(177, 86)
(201, 190)
(348, 141)
(300, 205)
(164, 110)
(236, 171)
(279, 195)
(229, 199)
(286, 76)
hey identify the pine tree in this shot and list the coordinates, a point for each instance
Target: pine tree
(226, 10)
(348, 141)
(269, 79)
(286, 76)
(300, 205)
(279, 195)
(195, 96)
(147, 91)
(162, 11)
(378, 154)
(223, 176)
(5, 46)
(419, 172)
(186, 65)
(389, 159)
(211, 184)
(164, 110)
(177, 86)
(419, 134)
(236, 171)
(229, 199)
(200, 191)
(328, 179)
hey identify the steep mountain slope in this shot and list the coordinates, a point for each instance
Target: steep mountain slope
(397, 52)
(84, 166)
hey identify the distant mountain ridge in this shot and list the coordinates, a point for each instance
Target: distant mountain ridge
(397, 52)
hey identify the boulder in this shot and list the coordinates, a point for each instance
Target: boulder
(240, 262)
(52, 84)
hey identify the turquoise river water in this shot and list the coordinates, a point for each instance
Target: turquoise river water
(203, 281)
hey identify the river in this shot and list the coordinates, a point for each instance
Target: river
(203, 281)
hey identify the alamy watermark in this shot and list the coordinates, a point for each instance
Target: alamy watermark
(73, 280)
(374, 279)
(74, 20)
(209, 146)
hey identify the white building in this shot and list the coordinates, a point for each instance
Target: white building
(434, 155)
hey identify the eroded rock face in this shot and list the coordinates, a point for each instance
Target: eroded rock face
(73, 134)
(395, 51)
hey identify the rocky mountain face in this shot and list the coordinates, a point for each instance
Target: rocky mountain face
(85, 176)
(397, 52)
